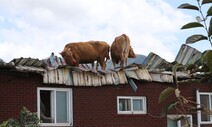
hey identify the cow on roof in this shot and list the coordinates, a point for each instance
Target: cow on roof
(121, 50)
(76, 53)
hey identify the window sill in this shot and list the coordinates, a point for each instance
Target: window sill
(210, 122)
(56, 125)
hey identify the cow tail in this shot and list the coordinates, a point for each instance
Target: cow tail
(108, 57)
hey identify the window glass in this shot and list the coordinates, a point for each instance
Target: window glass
(204, 99)
(171, 123)
(131, 105)
(55, 106)
(45, 106)
(61, 107)
(185, 122)
(137, 105)
(179, 121)
(124, 105)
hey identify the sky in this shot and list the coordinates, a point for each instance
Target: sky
(36, 28)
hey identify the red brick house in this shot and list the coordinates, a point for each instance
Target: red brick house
(81, 96)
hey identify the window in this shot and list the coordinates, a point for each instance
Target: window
(55, 106)
(205, 99)
(179, 121)
(131, 105)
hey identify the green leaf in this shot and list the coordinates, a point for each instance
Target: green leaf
(167, 107)
(194, 38)
(206, 1)
(210, 28)
(188, 6)
(192, 25)
(209, 12)
(207, 59)
(166, 93)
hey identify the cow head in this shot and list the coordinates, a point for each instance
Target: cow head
(68, 57)
(131, 53)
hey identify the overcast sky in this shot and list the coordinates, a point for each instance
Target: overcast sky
(36, 28)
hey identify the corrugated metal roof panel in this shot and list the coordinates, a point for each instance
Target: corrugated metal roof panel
(162, 77)
(108, 78)
(139, 74)
(187, 55)
(83, 78)
(58, 76)
(122, 77)
(28, 62)
(28, 65)
(29, 69)
(182, 75)
(139, 59)
(153, 61)
(92, 79)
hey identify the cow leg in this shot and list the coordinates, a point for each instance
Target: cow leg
(92, 65)
(126, 61)
(114, 64)
(122, 63)
(97, 65)
(102, 63)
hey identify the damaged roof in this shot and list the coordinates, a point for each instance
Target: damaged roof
(187, 55)
(25, 65)
(150, 68)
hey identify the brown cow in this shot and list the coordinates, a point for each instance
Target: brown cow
(76, 53)
(121, 50)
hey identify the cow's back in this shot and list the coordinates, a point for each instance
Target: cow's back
(87, 52)
(120, 48)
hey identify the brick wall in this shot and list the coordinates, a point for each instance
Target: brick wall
(97, 106)
(17, 90)
(92, 106)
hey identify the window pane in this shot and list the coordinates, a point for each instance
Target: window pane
(138, 105)
(186, 122)
(211, 102)
(204, 99)
(45, 106)
(61, 107)
(124, 105)
(171, 123)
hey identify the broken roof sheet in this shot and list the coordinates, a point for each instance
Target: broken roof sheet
(187, 55)
(88, 78)
(28, 65)
(153, 61)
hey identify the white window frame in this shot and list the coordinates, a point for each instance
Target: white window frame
(198, 106)
(175, 116)
(70, 105)
(144, 111)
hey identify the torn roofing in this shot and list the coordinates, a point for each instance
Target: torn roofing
(187, 55)
(153, 64)
(26, 65)
(88, 78)
(153, 61)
